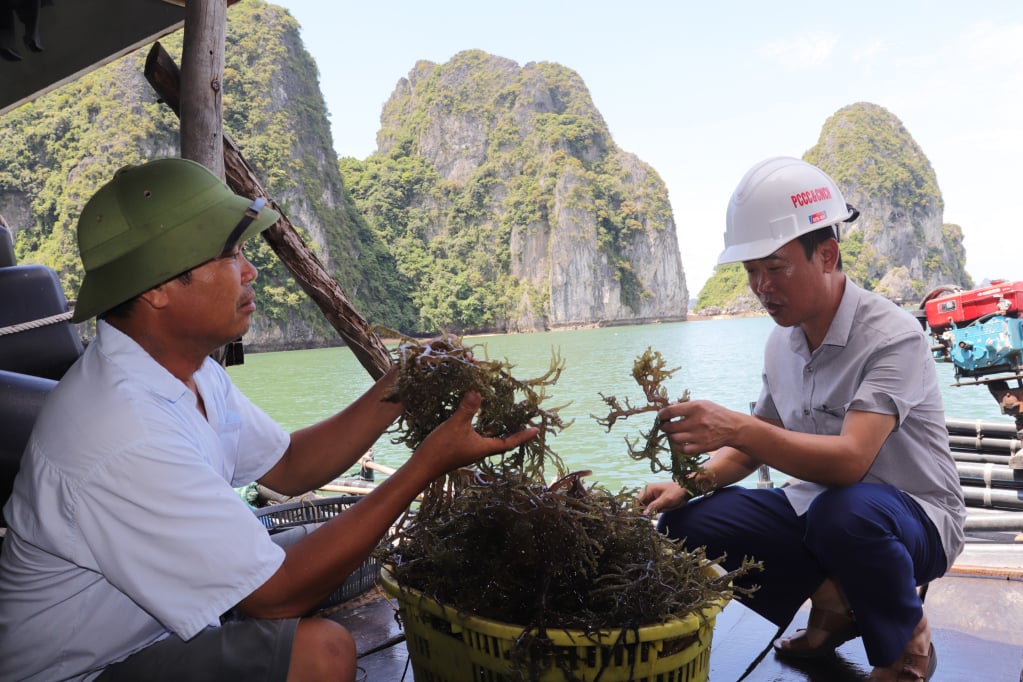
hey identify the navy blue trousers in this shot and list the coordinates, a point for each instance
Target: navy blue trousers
(873, 539)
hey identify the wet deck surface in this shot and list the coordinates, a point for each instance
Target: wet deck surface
(976, 616)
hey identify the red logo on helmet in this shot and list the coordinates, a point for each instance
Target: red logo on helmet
(811, 196)
(817, 217)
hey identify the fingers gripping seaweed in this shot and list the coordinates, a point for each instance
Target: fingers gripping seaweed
(433, 377)
(650, 373)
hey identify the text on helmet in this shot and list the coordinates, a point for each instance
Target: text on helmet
(811, 196)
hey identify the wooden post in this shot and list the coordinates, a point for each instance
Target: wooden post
(202, 72)
(162, 74)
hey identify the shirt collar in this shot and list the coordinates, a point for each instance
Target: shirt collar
(126, 353)
(841, 325)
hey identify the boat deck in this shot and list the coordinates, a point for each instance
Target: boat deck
(975, 611)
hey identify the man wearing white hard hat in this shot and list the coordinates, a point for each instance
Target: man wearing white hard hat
(849, 408)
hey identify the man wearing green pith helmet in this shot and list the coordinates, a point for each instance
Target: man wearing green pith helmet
(126, 540)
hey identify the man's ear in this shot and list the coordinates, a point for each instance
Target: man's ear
(828, 252)
(157, 297)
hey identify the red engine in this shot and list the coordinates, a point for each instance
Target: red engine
(963, 307)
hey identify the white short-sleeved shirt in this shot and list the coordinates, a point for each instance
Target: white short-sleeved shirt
(123, 525)
(874, 358)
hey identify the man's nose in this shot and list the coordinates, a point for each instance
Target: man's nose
(758, 282)
(249, 271)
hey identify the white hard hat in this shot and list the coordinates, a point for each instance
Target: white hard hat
(778, 200)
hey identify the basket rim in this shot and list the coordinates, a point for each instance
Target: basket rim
(271, 509)
(673, 628)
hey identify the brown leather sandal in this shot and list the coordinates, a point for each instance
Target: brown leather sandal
(839, 628)
(910, 667)
(917, 667)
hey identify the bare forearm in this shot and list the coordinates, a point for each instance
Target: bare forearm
(316, 565)
(727, 466)
(701, 426)
(318, 562)
(829, 460)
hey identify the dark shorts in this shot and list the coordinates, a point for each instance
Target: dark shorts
(240, 650)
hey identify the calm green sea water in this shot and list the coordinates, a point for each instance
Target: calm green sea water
(718, 360)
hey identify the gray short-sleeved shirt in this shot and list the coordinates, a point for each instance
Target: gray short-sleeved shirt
(874, 358)
(123, 523)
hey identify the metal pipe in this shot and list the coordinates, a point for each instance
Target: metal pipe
(984, 443)
(992, 498)
(980, 457)
(1012, 521)
(978, 426)
(990, 476)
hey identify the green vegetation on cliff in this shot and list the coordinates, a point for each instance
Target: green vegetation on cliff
(467, 158)
(57, 150)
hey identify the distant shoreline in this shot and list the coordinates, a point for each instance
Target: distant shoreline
(387, 341)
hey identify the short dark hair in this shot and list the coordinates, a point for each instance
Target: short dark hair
(811, 240)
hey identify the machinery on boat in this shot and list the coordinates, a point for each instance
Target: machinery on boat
(980, 331)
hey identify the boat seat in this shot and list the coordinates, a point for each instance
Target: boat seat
(32, 359)
(31, 295)
(21, 399)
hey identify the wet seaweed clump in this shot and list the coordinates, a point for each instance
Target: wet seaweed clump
(435, 375)
(650, 372)
(500, 542)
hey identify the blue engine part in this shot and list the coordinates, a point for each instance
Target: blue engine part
(985, 347)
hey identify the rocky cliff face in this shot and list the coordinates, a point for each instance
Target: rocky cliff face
(585, 228)
(56, 151)
(521, 213)
(907, 249)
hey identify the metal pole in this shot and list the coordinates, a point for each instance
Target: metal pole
(763, 471)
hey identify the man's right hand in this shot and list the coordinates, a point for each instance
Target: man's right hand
(455, 443)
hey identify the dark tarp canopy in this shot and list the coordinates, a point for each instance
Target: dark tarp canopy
(75, 37)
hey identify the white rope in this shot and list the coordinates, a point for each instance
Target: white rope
(35, 324)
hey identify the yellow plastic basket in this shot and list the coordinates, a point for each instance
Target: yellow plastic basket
(447, 646)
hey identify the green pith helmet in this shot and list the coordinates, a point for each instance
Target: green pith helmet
(151, 223)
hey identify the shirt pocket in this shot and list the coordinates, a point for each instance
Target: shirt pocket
(828, 417)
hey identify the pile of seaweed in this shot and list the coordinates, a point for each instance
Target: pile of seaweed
(501, 542)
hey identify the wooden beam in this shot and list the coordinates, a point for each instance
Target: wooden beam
(202, 75)
(162, 74)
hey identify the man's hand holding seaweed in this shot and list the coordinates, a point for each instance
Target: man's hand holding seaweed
(455, 443)
(696, 426)
(436, 377)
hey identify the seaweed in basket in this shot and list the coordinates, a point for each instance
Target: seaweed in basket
(501, 542)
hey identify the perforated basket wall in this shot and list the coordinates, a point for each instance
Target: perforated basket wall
(446, 646)
(280, 517)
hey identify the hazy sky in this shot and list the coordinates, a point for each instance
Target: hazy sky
(703, 90)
